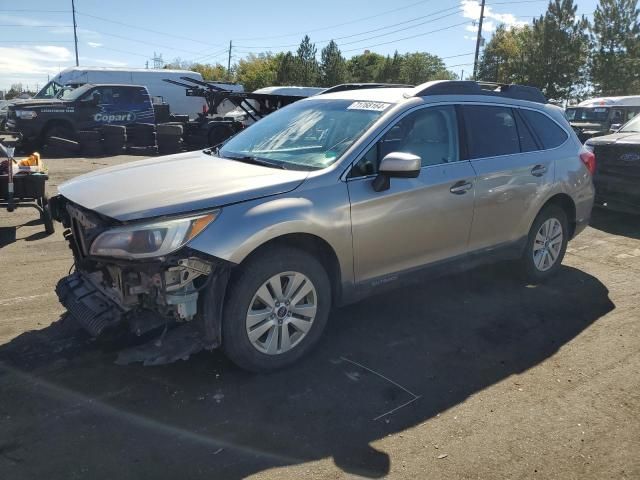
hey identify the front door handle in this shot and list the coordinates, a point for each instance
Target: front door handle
(538, 170)
(461, 187)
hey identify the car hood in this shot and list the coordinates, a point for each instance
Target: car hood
(614, 138)
(36, 103)
(176, 184)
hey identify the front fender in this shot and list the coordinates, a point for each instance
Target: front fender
(242, 228)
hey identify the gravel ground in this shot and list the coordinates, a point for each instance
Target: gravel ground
(498, 380)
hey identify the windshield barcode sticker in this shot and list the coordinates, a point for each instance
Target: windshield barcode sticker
(375, 106)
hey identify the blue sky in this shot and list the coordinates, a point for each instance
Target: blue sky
(36, 38)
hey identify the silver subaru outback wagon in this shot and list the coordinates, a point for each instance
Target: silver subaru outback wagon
(248, 246)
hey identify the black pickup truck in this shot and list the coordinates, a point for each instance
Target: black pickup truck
(86, 108)
(617, 178)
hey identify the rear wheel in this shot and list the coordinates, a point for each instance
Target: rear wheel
(276, 310)
(546, 244)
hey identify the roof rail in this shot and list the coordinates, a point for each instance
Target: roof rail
(469, 87)
(359, 86)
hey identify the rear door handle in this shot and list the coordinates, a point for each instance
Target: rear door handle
(538, 170)
(461, 187)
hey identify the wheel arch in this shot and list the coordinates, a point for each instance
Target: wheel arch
(313, 245)
(565, 202)
(55, 122)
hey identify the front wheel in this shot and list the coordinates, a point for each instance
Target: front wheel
(276, 310)
(546, 244)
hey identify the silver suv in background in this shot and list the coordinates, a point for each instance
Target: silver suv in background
(322, 203)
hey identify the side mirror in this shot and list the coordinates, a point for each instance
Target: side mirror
(615, 127)
(396, 165)
(96, 99)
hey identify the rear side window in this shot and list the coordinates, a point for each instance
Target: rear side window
(491, 131)
(547, 131)
(527, 140)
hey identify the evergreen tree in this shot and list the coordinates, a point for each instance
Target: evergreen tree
(306, 63)
(332, 66)
(558, 50)
(615, 65)
(285, 69)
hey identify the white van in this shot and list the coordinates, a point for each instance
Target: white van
(153, 79)
(601, 116)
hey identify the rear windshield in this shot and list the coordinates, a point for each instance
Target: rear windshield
(592, 114)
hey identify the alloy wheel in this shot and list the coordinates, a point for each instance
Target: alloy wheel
(281, 313)
(547, 244)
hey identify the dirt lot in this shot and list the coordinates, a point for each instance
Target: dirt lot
(512, 381)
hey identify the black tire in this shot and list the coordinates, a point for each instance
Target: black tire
(532, 273)
(113, 146)
(147, 151)
(168, 144)
(113, 129)
(218, 134)
(46, 217)
(247, 279)
(169, 129)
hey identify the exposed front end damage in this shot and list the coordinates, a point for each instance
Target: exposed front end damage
(171, 294)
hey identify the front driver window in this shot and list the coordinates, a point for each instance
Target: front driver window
(430, 133)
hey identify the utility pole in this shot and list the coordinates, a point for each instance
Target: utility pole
(478, 40)
(75, 33)
(229, 61)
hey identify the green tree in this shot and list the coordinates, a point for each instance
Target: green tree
(422, 67)
(208, 71)
(364, 68)
(285, 69)
(332, 66)
(306, 71)
(615, 64)
(389, 71)
(257, 71)
(557, 51)
(505, 57)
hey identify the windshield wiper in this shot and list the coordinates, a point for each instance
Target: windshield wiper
(255, 161)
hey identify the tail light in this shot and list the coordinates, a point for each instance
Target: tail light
(205, 109)
(589, 160)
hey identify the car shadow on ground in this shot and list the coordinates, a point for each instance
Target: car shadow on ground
(616, 223)
(384, 365)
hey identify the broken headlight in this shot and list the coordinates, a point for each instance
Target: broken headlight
(146, 240)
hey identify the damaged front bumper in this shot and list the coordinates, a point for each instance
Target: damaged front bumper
(184, 289)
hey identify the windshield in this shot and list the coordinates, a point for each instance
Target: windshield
(50, 90)
(632, 126)
(72, 95)
(594, 114)
(309, 134)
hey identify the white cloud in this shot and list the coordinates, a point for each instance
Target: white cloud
(94, 44)
(471, 10)
(32, 63)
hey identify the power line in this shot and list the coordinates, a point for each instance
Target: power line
(36, 41)
(337, 25)
(38, 26)
(153, 44)
(34, 11)
(456, 8)
(410, 37)
(164, 34)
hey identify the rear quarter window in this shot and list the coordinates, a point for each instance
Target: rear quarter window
(548, 132)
